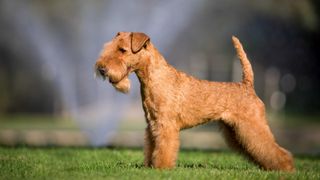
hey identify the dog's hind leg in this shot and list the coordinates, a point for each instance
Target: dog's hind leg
(230, 137)
(254, 139)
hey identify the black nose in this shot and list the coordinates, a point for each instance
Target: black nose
(102, 71)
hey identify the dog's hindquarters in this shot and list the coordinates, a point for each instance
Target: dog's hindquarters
(253, 138)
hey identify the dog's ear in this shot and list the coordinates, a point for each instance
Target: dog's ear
(138, 40)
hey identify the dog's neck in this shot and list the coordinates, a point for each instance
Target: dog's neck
(151, 67)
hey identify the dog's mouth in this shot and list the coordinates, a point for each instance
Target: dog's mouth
(116, 81)
(101, 73)
(112, 81)
(121, 83)
(105, 76)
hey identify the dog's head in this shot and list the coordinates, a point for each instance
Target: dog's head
(120, 57)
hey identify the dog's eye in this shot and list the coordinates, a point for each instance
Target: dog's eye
(122, 50)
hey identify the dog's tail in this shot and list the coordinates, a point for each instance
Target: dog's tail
(247, 76)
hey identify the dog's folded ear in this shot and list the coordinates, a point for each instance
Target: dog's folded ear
(138, 40)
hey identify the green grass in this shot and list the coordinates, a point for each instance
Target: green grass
(104, 163)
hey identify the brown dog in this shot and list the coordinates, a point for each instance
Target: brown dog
(173, 100)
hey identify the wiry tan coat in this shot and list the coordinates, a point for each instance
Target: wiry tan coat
(173, 100)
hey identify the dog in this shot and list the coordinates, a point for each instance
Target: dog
(173, 101)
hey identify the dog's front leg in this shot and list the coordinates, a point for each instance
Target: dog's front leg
(166, 146)
(148, 147)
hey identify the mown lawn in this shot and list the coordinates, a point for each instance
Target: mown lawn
(104, 163)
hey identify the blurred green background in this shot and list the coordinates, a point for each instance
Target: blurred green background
(48, 95)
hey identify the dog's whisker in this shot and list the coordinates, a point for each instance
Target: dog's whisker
(95, 75)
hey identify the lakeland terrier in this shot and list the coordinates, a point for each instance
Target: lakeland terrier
(173, 100)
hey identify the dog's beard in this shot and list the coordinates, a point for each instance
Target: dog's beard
(118, 79)
(123, 85)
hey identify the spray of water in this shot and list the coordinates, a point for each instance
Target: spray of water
(68, 49)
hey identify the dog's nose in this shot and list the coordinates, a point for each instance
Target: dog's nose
(102, 71)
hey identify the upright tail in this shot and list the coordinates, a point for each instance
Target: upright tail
(247, 76)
